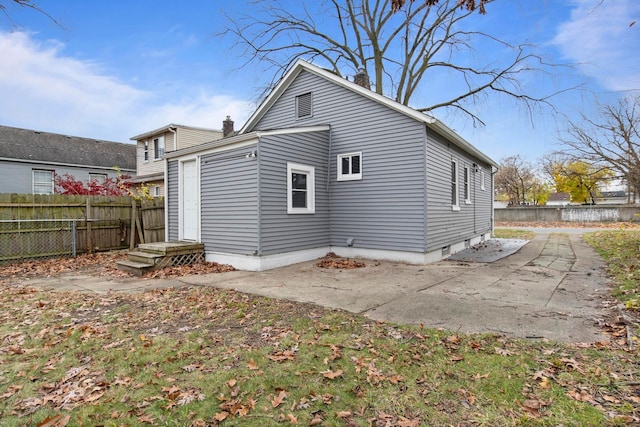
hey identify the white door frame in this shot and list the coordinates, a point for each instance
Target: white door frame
(181, 215)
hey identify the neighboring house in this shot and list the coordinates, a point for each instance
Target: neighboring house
(29, 159)
(611, 198)
(559, 199)
(151, 146)
(327, 165)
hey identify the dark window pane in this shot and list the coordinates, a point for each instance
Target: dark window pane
(344, 169)
(299, 181)
(299, 199)
(355, 164)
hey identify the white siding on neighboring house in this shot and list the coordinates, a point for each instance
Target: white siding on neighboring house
(190, 137)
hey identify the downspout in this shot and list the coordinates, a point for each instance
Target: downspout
(259, 198)
(174, 131)
(329, 181)
(425, 194)
(175, 148)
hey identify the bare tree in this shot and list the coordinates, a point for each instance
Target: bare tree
(610, 140)
(468, 4)
(515, 178)
(398, 48)
(30, 4)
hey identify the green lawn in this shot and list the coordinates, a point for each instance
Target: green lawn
(204, 357)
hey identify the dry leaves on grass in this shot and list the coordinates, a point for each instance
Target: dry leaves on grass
(331, 260)
(102, 264)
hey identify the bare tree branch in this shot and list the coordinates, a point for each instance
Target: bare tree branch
(398, 48)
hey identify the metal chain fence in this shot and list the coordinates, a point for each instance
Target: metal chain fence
(22, 240)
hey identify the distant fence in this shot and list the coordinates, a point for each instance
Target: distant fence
(609, 213)
(44, 226)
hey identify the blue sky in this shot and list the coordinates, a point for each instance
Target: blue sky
(121, 68)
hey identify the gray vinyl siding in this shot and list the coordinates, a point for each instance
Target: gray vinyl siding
(173, 200)
(228, 204)
(282, 232)
(17, 177)
(386, 209)
(445, 226)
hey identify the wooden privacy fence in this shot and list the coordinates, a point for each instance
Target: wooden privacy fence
(40, 226)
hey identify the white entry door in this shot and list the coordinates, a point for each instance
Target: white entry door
(190, 207)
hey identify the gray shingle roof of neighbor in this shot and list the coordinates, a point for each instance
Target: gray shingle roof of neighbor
(37, 146)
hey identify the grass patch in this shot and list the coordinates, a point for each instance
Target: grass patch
(621, 250)
(510, 233)
(205, 357)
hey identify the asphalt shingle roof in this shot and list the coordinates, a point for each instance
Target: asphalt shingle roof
(26, 144)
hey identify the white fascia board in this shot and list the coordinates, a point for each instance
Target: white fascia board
(216, 146)
(285, 131)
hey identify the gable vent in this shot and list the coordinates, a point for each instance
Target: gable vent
(303, 105)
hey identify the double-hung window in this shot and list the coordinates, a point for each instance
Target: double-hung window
(350, 166)
(467, 186)
(42, 181)
(300, 189)
(145, 151)
(158, 147)
(455, 200)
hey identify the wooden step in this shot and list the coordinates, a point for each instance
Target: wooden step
(133, 267)
(145, 257)
(171, 248)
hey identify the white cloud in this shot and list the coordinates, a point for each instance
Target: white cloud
(44, 89)
(598, 37)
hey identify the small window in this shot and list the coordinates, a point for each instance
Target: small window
(482, 180)
(99, 177)
(467, 186)
(303, 106)
(156, 191)
(42, 181)
(146, 151)
(300, 189)
(455, 201)
(158, 147)
(349, 166)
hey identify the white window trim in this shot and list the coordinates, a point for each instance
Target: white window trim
(299, 117)
(145, 151)
(33, 181)
(467, 185)
(456, 205)
(311, 194)
(348, 176)
(482, 180)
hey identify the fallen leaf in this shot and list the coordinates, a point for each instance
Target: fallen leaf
(343, 414)
(277, 400)
(252, 365)
(56, 421)
(332, 375)
(221, 416)
(292, 419)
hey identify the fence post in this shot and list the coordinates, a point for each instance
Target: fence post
(73, 238)
(89, 228)
(134, 215)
